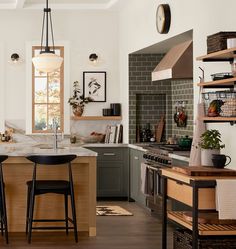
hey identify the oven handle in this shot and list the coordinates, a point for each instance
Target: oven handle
(155, 169)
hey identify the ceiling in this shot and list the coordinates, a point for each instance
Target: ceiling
(59, 4)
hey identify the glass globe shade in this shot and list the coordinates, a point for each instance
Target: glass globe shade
(47, 62)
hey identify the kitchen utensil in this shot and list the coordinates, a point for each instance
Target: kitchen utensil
(159, 129)
(219, 160)
(185, 142)
(204, 171)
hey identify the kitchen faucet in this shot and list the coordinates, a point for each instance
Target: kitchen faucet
(54, 128)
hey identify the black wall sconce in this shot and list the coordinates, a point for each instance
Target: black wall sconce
(15, 58)
(93, 58)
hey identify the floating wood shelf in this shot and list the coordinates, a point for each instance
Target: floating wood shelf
(223, 55)
(97, 118)
(218, 83)
(204, 229)
(218, 119)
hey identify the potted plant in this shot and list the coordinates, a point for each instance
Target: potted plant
(78, 101)
(210, 144)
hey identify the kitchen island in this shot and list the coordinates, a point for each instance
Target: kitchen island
(18, 170)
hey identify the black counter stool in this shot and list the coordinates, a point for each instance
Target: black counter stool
(3, 210)
(39, 187)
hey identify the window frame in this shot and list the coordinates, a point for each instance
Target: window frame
(48, 131)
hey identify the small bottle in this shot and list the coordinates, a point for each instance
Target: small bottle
(3, 138)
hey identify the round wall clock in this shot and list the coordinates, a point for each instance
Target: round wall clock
(163, 18)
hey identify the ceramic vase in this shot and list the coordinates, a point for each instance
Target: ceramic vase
(78, 111)
(206, 156)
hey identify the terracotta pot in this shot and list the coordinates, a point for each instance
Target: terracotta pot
(78, 111)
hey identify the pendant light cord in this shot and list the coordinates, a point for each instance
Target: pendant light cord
(53, 46)
(42, 34)
(47, 11)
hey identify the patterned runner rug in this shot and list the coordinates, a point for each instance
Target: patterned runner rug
(112, 211)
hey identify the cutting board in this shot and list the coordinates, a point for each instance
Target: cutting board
(204, 171)
(159, 129)
(208, 218)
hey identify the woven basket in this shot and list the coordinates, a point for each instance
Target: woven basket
(183, 240)
(218, 41)
(220, 103)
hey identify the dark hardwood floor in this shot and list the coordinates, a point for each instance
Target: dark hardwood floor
(140, 231)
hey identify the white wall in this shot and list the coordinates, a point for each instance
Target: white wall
(86, 31)
(2, 86)
(138, 30)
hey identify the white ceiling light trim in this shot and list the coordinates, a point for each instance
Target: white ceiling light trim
(20, 4)
(23, 4)
(69, 6)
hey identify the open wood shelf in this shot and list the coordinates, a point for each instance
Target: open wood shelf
(218, 83)
(97, 118)
(223, 55)
(204, 229)
(218, 119)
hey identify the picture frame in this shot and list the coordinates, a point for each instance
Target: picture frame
(94, 85)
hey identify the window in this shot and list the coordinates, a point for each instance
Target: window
(47, 96)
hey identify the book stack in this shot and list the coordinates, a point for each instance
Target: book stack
(114, 134)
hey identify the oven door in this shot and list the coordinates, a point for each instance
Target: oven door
(153, 199)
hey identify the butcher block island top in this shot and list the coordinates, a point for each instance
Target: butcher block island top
(188, 174)
(18, 170)
(204, 171)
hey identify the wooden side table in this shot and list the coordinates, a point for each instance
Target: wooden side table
(197, 192)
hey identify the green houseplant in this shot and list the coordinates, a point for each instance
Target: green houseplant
(78, 101)
(210, 144)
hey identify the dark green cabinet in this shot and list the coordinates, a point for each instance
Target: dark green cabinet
(136, 158)
(112, 171)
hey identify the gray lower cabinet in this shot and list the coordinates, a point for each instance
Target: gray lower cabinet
(112, 171)
(136, 158)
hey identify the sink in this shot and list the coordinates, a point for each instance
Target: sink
(48, 146)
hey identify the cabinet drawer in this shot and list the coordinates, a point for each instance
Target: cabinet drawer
(110, 154)
(184, 193)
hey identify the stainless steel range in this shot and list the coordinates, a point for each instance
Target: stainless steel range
(156, 158)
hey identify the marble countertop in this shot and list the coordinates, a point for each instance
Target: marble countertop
(132, 146)
(22, 149)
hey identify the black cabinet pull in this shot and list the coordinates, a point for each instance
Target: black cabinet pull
(179, 183)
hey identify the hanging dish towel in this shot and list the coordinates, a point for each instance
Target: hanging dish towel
(200, 127)
(226, 198)
(143, 179)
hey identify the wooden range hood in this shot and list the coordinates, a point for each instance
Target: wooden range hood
(176, 64)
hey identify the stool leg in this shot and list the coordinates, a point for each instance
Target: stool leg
(74, 214)
(66, 212)
(27, 210)
(31, 214)
(1, 218)
(4, 209)
(4, 215)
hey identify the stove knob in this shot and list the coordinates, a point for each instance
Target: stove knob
(160, 160)
(156, 158)
(152, 157)
(149, 156)
(145, 156)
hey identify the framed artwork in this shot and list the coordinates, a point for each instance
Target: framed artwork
(94, 85)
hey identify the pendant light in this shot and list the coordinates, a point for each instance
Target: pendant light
(47, 61)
